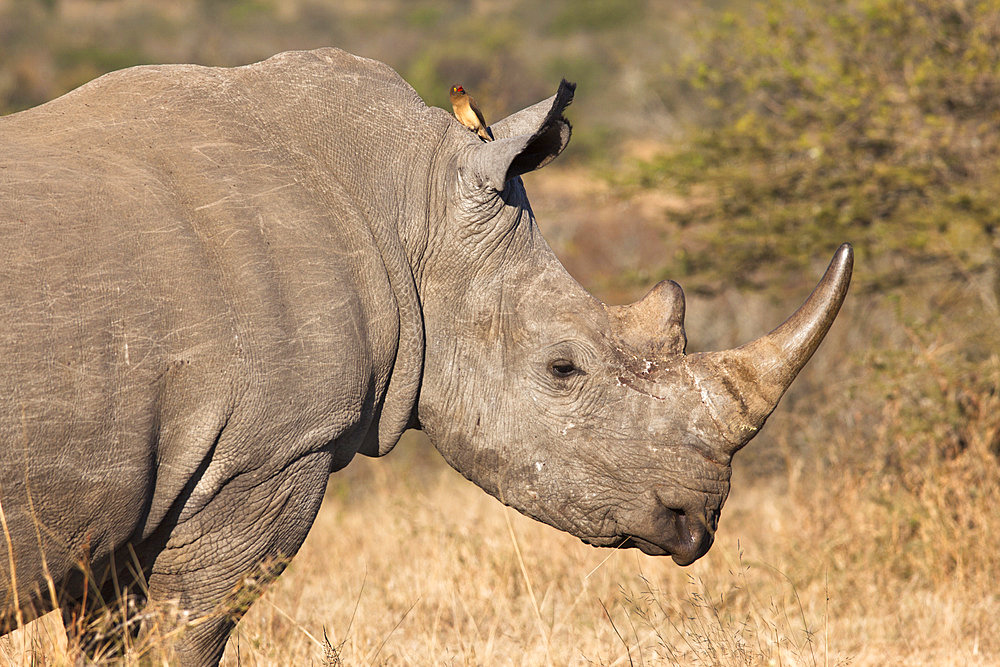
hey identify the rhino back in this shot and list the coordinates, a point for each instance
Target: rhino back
(162, 223)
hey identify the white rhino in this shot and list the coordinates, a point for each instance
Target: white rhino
(219, 285)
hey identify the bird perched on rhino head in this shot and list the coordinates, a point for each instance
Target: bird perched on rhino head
(467, 112)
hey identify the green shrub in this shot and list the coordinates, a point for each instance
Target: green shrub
(870, 121)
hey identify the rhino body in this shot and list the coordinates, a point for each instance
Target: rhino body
(219, 285)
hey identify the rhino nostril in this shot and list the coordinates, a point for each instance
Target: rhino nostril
(683, 524)
(707, 518)
(695, 525)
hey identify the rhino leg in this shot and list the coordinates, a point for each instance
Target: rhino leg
(216, 562)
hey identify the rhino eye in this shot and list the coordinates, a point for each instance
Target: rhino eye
(563, 368)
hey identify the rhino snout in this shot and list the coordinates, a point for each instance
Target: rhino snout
(684, 533)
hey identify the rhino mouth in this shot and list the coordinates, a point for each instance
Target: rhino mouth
(683, 536)
(694, 547)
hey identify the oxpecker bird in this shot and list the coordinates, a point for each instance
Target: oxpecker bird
(467, 112)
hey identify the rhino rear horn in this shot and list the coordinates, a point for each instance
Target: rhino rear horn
(655, 323)
(525, 141)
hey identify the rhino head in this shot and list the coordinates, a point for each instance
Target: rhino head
(585, 416)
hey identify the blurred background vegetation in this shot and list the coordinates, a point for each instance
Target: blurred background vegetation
(731, 146)
(509, 53)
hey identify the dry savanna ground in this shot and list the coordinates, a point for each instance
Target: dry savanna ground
(409, 564)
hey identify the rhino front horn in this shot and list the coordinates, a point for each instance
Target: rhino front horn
(745, 384)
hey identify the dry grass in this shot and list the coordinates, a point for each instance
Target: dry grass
(431, 572)
(421, 568)
(410, 564)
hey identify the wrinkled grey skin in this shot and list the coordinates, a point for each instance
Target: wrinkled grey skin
(219, 285)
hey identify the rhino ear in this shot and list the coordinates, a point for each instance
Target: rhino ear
(526, 140)
(530, 119)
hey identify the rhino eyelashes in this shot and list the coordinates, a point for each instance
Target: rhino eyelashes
(564, 368)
